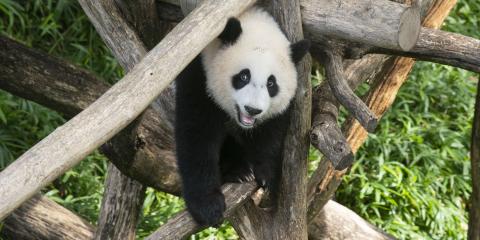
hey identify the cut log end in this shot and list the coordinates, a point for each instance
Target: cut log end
(409, 31)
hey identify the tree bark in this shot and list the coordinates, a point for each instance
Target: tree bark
(121, 204)
(42, 219)
(120, 105)
(474, 222)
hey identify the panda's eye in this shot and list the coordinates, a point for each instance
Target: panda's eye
(244, 77)
(271, 81)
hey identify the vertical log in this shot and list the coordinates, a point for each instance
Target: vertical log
(474, 222)
(289, 220)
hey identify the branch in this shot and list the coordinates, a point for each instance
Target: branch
(474, 222)
(344, 94)
(120, 105)
(42, 219)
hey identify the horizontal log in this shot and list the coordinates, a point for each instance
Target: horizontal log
(47, 80)
(120, 105)
(42, 219)
(443, 47)
(379, 23)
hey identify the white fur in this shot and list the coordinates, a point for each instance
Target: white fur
(264, 50)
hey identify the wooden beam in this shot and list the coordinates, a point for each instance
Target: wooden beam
(474, 222)
(120, 105)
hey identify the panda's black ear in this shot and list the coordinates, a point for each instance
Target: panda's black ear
(299, 49)
(232, 31)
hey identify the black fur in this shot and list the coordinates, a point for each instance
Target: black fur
(299, 49)
(212, 149)
(231, 32)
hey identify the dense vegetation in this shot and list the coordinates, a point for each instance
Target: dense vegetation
(411, 178)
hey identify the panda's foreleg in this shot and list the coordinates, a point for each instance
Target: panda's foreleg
(199, 131)
(198, 147)
(265, 154)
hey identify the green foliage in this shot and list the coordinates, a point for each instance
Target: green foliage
(411, 178)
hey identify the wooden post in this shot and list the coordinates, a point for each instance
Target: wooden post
(474, 222)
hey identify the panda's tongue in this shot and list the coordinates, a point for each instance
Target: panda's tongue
(247, 120)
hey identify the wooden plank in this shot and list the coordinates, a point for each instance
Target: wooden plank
(120, 105)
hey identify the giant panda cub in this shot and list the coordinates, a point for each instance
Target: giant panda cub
(232, 111)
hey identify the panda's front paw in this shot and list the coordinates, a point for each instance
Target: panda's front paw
(207, 210)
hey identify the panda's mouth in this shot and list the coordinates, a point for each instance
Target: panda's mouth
(245, 120)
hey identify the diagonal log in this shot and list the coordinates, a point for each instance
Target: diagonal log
(120, 105)
(326, 179)
(474, 221)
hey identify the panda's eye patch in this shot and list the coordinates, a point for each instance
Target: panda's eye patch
(272, 86)
(241, 79)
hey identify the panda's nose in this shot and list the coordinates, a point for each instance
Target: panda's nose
(252, 111)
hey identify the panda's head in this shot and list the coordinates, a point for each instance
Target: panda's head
(250, 68)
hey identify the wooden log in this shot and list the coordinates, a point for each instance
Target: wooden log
(120, 105)
(338, 222)
(445, 48)
(288, 221)
(121, 205)
(326, 179)
(49, 81)
(380, 23)
(183, 225)
(474, 221)
(42, 219)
